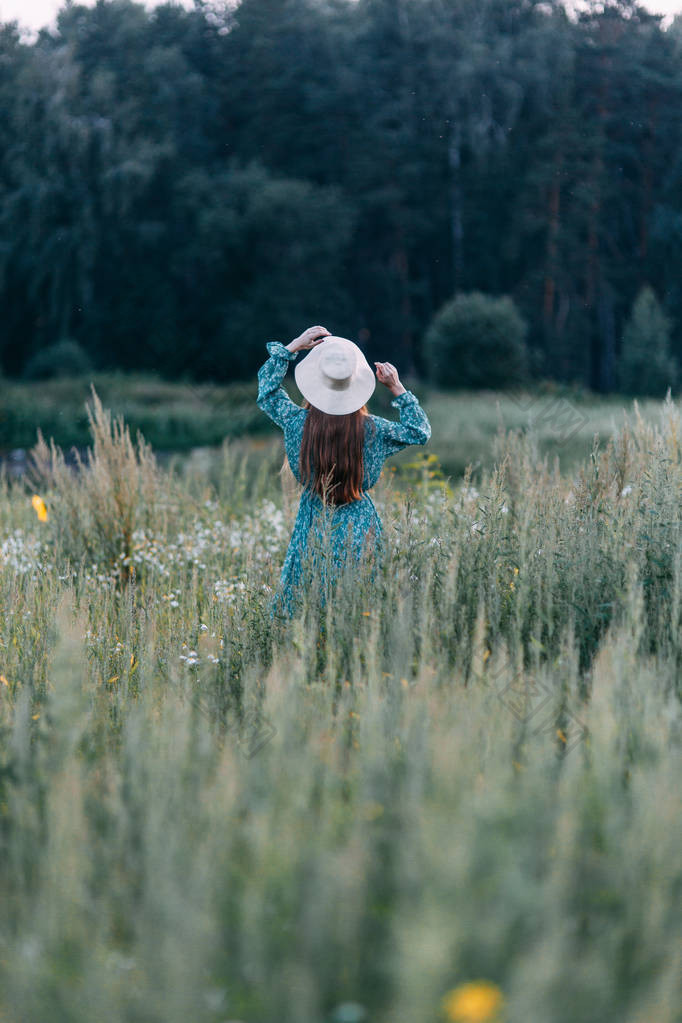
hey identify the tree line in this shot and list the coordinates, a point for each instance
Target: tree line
(179, 186)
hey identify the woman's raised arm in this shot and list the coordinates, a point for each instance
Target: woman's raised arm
(272, 398)
(414, 426)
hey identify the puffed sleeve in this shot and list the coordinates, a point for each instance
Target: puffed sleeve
(272, 398)
(413, 428)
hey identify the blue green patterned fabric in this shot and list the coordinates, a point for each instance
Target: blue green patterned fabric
(349, 529)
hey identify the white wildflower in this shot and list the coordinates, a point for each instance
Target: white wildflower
(20, 553)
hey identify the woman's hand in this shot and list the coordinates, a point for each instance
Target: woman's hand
(308, 339)
(387, 374)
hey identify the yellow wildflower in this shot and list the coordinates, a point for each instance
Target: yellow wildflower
(476, 1002)
(40, 508)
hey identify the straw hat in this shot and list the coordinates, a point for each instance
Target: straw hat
(335, 377)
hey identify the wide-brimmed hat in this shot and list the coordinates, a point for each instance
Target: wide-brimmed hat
(335, 377)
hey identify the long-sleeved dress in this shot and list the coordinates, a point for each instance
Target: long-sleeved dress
(354, 526)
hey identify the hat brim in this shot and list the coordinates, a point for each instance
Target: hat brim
(327, 399)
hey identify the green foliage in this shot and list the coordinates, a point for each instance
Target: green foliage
(293, 231)
(174, 416)
(206, 816)
(645, 365)
(66, 358)
(173, 191)
(477, 340)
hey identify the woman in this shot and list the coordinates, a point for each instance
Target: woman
(335, 448)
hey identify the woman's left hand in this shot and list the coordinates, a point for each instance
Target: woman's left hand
(387, 374)
(308, 339)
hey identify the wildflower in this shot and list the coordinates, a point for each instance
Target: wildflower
(226, 590)
(20, 553)
(40, 508)
(190, 658)
(469, 494)
(476, 1002)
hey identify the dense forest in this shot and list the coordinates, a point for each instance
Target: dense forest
(179, 186)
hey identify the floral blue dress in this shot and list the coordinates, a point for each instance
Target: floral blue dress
(354, 527)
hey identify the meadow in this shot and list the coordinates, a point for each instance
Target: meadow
(450, 792)
(177, 418)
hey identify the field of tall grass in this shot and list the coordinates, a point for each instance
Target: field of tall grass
(451, 793)
(177, 417)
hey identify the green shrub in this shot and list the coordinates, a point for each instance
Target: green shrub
(477, 340)
(66, 358)
(645, 365)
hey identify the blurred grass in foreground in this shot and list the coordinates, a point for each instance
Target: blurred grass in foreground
(456, 787)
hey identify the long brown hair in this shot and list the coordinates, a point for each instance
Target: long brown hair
(331, 460)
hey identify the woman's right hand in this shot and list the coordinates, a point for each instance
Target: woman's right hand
(387, 374)
(308, 339)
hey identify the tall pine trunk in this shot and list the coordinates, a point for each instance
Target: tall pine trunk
(400, 261)
(551, 255)
(456, 228)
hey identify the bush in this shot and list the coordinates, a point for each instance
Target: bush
(646, 366)
(66, 358)
(477, 340)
